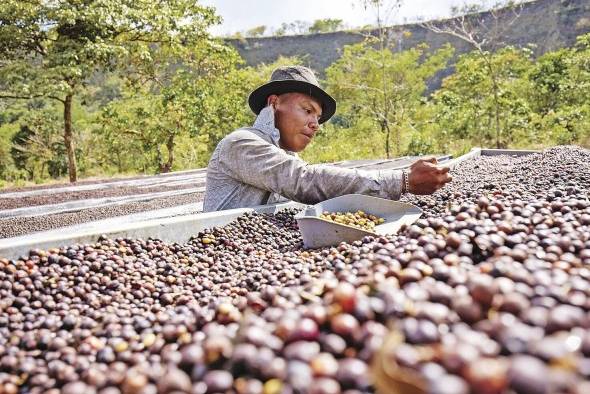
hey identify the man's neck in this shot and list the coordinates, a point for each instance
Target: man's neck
(265, 122)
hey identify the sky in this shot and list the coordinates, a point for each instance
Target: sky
(241, 15)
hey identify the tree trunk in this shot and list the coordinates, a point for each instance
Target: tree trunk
(496, 90)
(497, 114)
(159, 159)
(69, 139)
(398, 132)
(167, 167)
(170, 147)
(119, 162)
(385, 127)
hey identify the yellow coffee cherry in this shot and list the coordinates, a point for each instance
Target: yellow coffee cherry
(359, 219)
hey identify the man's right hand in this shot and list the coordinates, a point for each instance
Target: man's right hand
(425, 177)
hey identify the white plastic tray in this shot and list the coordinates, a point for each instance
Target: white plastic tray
(317, 232)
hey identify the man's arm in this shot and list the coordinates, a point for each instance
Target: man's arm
(246, 157)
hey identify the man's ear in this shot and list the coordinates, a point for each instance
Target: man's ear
(272, 100)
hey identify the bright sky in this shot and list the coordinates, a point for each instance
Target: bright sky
(241, 15)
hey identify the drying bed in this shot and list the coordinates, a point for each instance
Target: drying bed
(489, 293)
(44, 208)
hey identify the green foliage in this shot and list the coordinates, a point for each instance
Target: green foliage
(37, 147)
(151, 128)
(296, 27)
(8, 170)
(467, 103)
(560, 82)
(325, 25)
(76, 39)
(383, 87)
(160, 98)
(255, 31)
(52, 49)
(334, 143)
(420, 145)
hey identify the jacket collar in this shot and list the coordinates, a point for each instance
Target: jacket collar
(265, 122)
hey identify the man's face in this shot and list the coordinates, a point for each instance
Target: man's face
(296, 117)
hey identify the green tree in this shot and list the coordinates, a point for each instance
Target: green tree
(194, 102)
(466, 109)
(485, 32)
(51, 49)
(37, 148)
(256, 31)
(10, 112)
(560, 81)
(325, 25)
(383, 86)
(196, 109)
(295, 27)
(222, 107)
(19, 152)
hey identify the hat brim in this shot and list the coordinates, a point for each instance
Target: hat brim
(257, 99)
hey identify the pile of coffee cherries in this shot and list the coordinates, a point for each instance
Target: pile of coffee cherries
(489, 292)
(359, 219)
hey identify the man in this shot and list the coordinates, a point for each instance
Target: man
(258, 165)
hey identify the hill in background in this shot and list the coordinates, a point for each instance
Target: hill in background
(546, 24)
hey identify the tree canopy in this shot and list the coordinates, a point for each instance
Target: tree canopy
(326, 25)
(102, 87)
(50, 49)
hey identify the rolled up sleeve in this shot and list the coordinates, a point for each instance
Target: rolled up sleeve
(249, 159)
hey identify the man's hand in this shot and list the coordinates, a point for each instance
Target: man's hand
(425, 177)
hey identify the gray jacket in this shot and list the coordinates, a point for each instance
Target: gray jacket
(248, 168)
